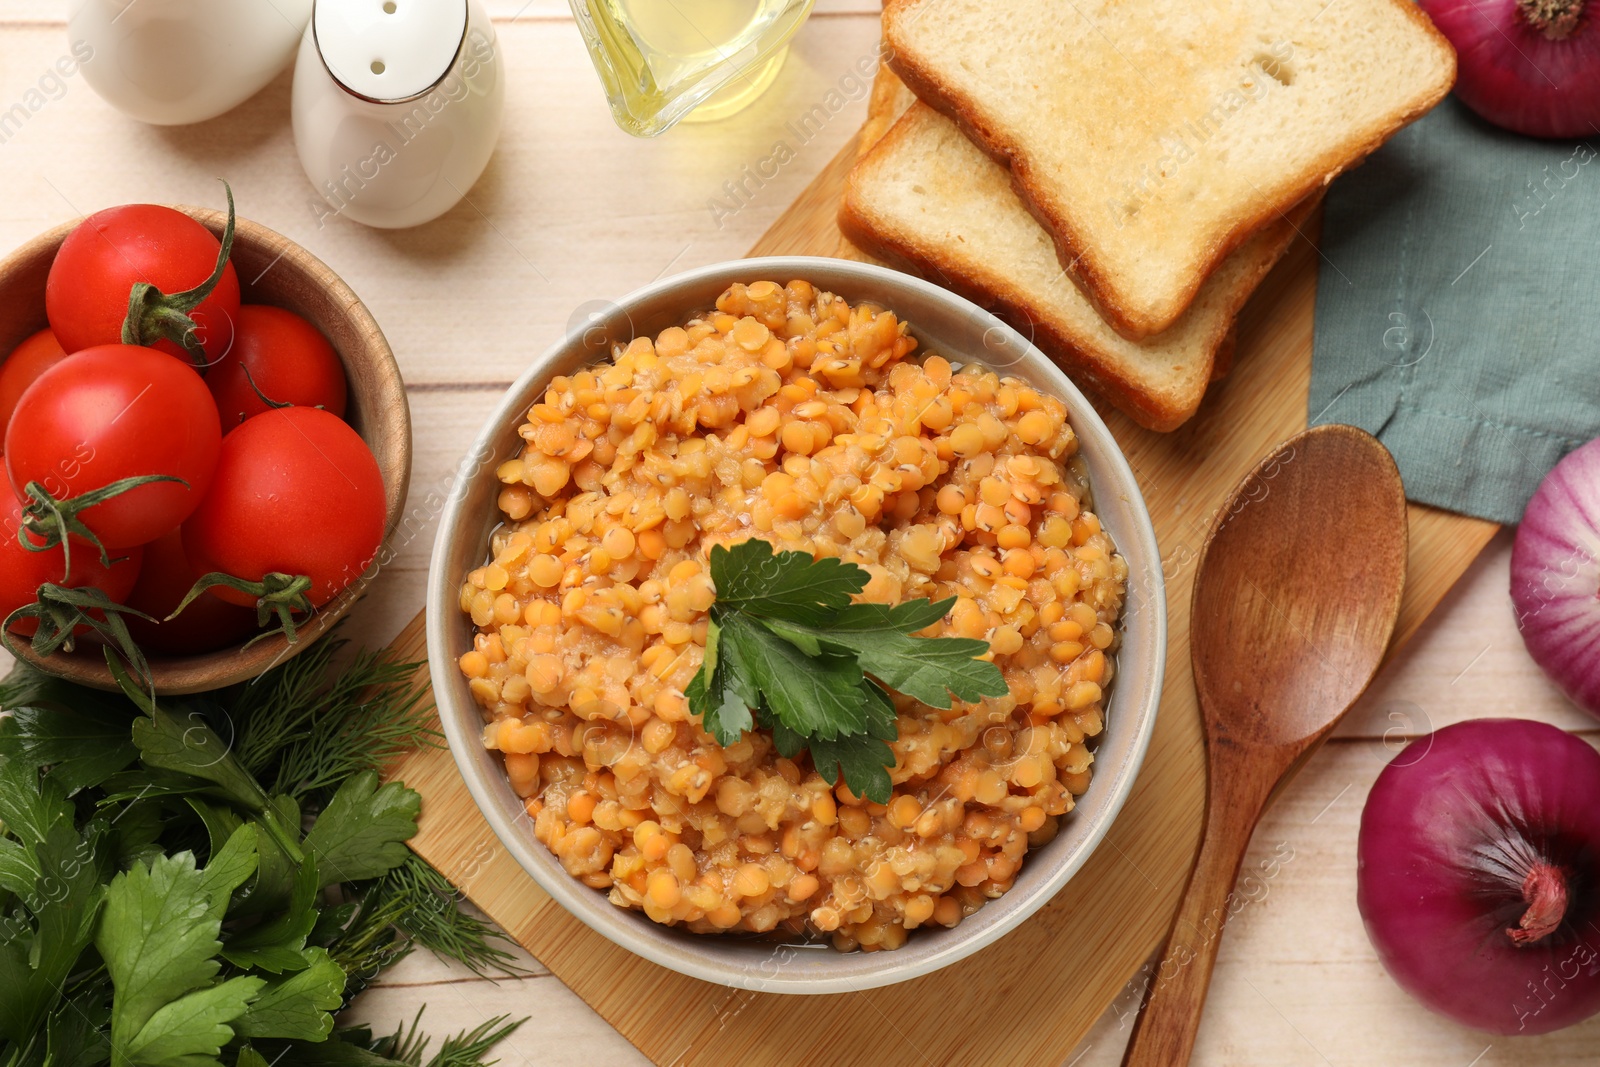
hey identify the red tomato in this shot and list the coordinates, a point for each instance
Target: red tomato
(114, 412)
(23, 572)
(288, 359)
(296, 492)
(86, 295)
(27, 361)
(165, 579)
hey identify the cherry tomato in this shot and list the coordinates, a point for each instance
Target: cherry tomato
(86, 295)
(113, 412)
(289, 361)
(165, 578)
(27, 361)
(23, 572)
(296, 492)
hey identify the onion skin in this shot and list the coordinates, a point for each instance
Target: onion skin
(1518, 76)
(1555, 576)
(1454, 829)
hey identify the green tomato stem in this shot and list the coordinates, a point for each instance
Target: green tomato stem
(275, 594)
(56, 522)
(154, 315)
(60, 610)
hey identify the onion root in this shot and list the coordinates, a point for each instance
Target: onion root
(1545, 890)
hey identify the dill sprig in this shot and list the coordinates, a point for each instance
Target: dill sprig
(305, 726)
(466, 1049)
(414, 905)
(432, 917)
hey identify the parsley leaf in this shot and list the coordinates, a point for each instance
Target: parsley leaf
(187, 744)
(297, 1006)
(788, 650)
(189, 1031)
(786, 585)
(229, 867)
(362, 832)
(18, 868)
(82, 743)
(863, 761)
(716, 693)
(278, 945)
(63, 899)
(815, 696)
(928, 669)
(29, 806)
(158, 937)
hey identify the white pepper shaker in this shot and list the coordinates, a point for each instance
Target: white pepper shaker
(397, 107)
(173, 62)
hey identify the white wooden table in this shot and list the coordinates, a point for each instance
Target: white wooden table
(573, 211)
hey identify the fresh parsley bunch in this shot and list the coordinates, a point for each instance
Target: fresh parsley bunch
(161, 907)
(787, 651)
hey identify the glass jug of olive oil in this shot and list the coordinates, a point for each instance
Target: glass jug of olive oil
(664, 61)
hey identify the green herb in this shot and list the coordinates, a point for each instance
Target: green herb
(205, 881)
(427, 911)
(356, 1047)
(787, 651)
(159, 941)
(362, 832)
(304, 734)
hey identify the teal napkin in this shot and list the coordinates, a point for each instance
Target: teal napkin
(1458, 308)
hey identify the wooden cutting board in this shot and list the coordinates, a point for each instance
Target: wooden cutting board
(1029, 998)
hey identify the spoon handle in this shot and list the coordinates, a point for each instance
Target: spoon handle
(1164, 1031)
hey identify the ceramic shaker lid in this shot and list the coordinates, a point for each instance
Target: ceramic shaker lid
(389, 50)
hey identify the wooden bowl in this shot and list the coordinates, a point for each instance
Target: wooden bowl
(272, 270)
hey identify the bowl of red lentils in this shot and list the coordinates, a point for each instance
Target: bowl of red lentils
(840, 409)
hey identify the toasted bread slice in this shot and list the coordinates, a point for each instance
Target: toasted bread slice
(925, 197)
(888, 101)
(1153, 138)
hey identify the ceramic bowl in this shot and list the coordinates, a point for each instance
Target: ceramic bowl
(942, 322)
(272, 270)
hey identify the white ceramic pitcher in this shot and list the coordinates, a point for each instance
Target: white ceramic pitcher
(173, 62)
(397, 106)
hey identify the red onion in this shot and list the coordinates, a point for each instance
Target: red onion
(1479, 874)
(1532, 66)
(1555, 576)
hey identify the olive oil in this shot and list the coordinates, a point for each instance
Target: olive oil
(662, 61)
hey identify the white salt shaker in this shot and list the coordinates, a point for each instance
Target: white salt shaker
(173, 62)
(397, 106)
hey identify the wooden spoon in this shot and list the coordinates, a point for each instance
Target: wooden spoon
(1295, 599)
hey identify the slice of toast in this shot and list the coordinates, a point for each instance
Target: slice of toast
(1153, 138)
(923, 196)
(888, 101)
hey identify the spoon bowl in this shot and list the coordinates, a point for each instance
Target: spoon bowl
(1295, 600)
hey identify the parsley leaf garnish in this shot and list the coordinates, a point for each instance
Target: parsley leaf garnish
(787, 650)
(158, 939)
(362, 832)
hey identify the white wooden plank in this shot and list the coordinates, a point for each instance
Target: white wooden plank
(571, 210)
(1297, 981)
(561, 1031)
(54, 11)
(1466, 662)
(561, 10)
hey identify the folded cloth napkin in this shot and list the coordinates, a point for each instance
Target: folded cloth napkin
(1458, 308)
